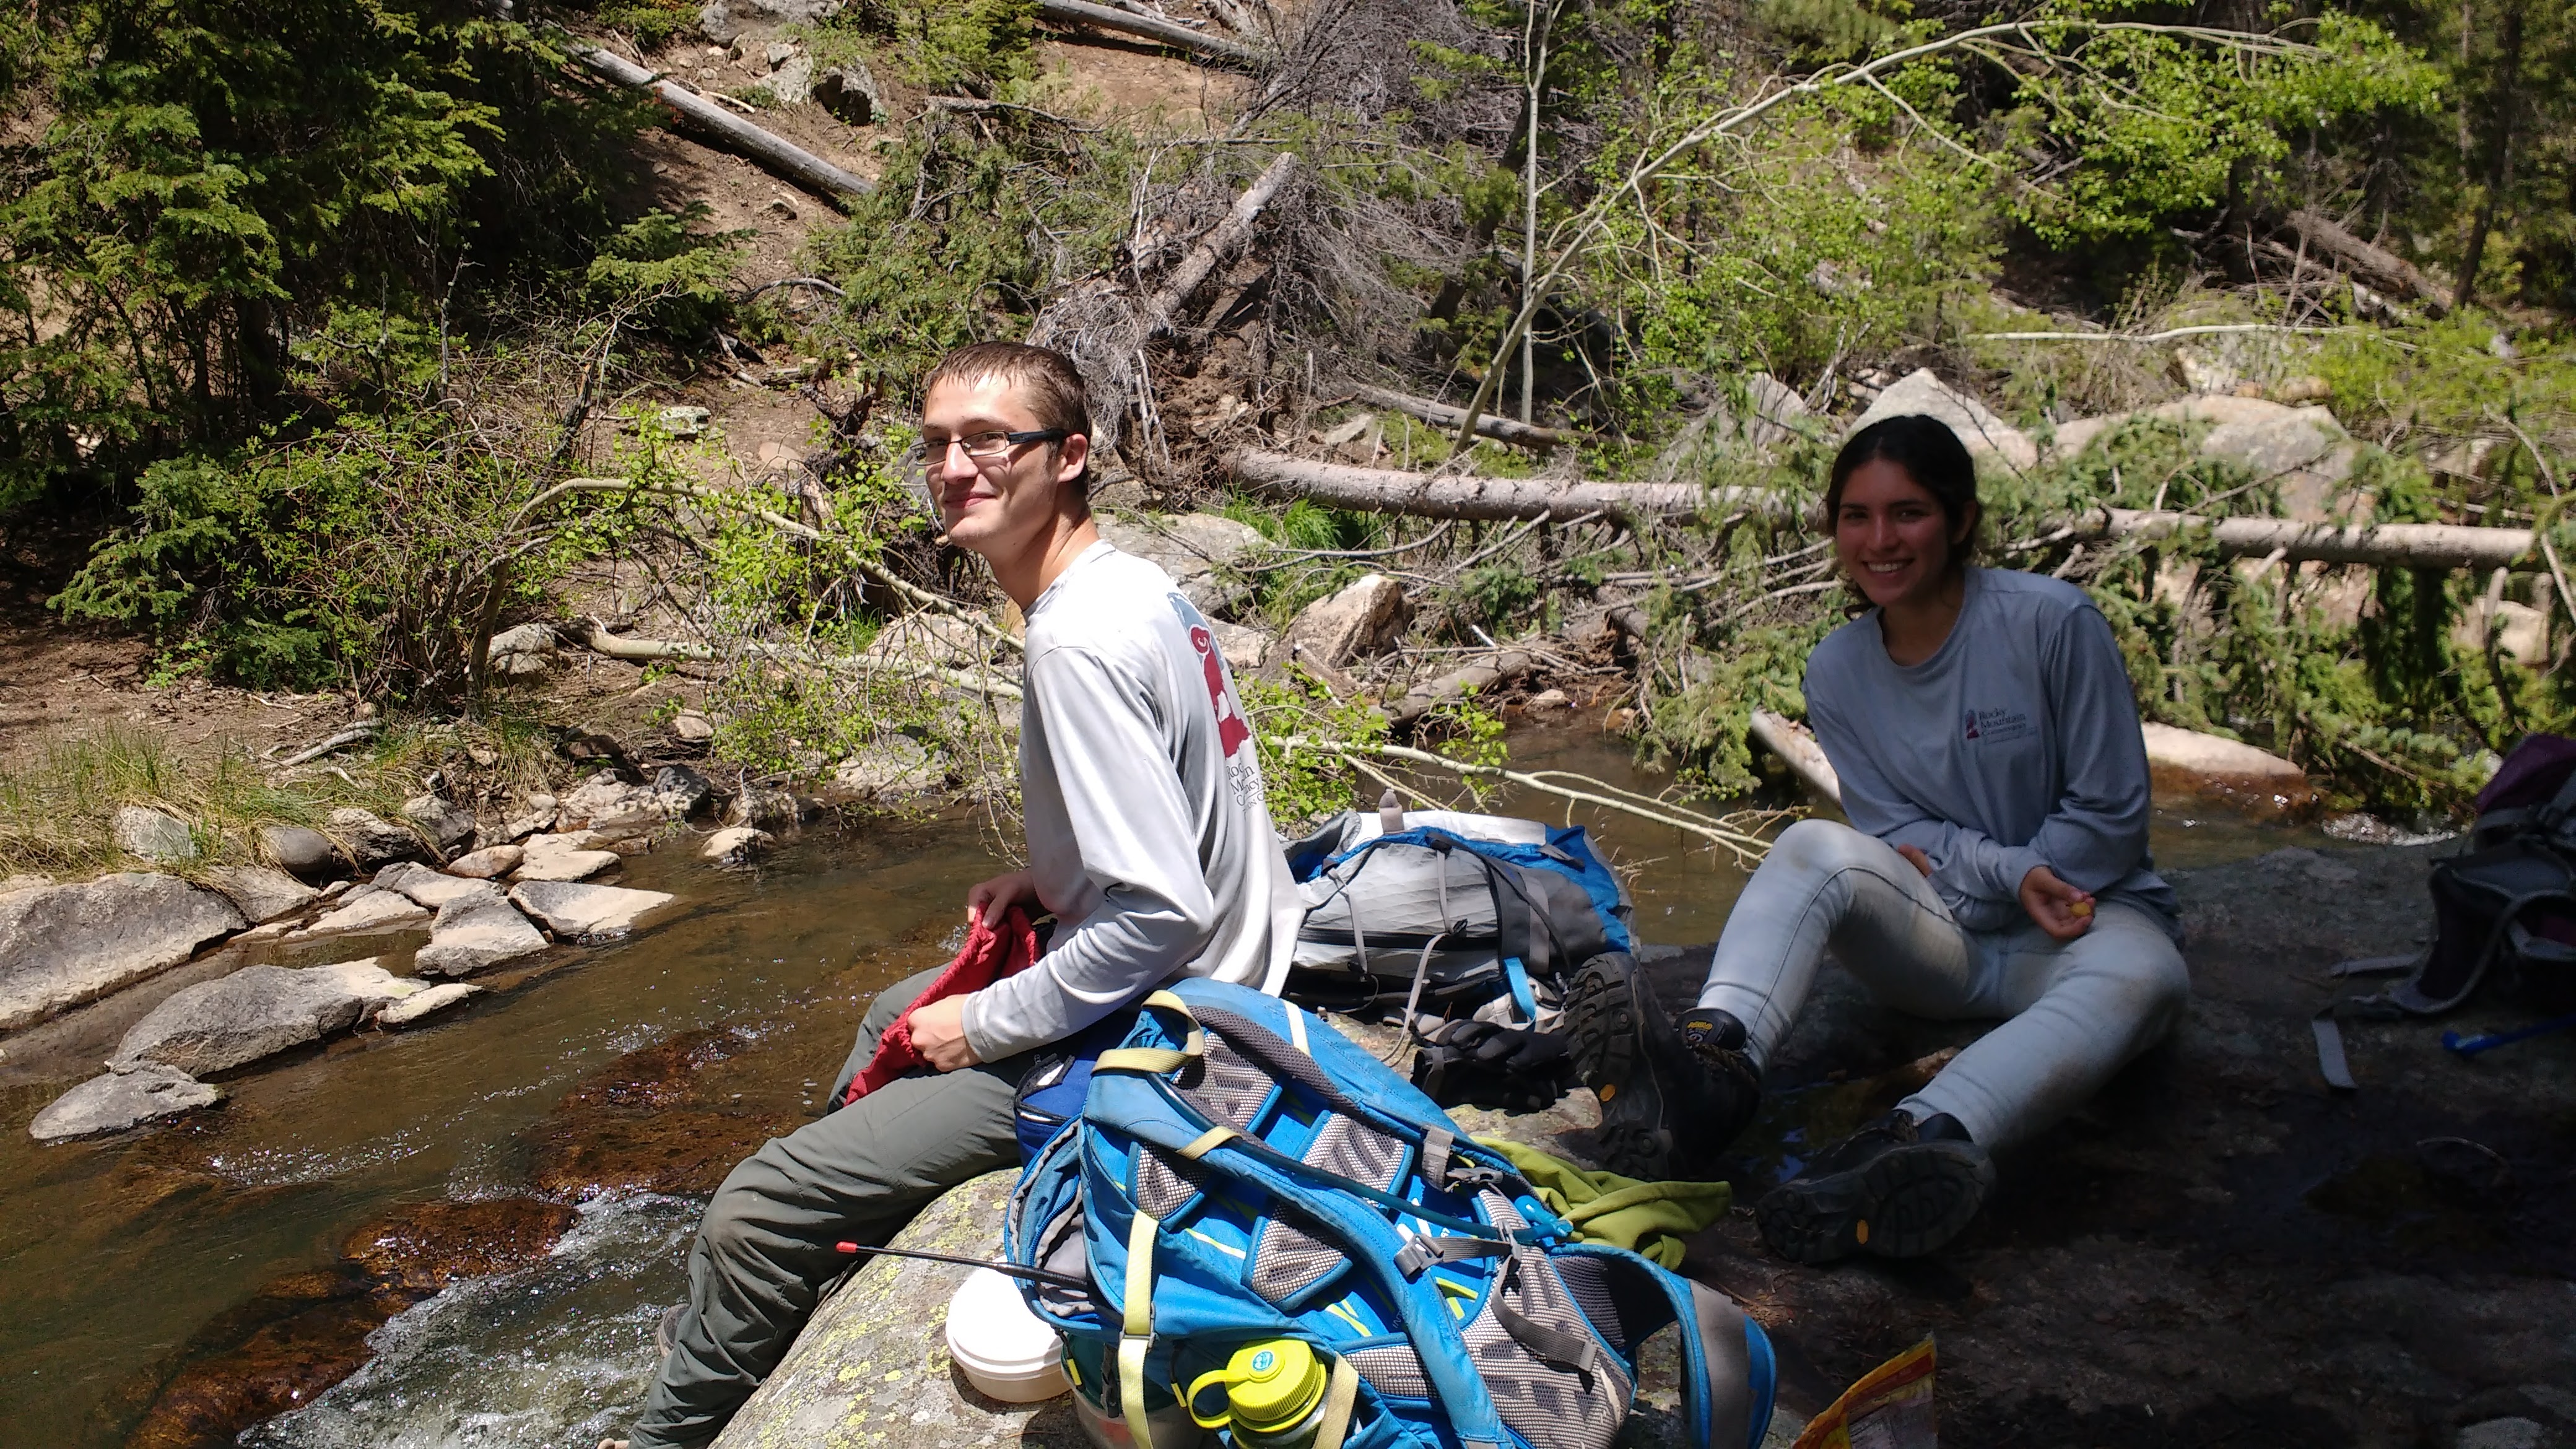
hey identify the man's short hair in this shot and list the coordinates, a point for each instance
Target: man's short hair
(1041, 377)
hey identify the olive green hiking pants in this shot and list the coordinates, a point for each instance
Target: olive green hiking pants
(766, 1247)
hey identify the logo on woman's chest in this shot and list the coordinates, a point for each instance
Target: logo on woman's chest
(1997, 726)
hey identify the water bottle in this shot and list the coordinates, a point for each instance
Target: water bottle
(1274, 1395)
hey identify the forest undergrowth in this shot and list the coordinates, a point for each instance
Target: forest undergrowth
(349, 421)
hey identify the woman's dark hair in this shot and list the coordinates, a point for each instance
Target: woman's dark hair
(1932, 455)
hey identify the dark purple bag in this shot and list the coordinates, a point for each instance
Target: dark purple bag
(2507, 909)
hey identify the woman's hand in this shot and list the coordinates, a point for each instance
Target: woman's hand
(2060, 909)
(939, 1033)
(1915, 854)
(989, 899)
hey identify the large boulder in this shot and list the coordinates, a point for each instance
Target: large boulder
(585, 912)
(1245, 649)
(1985, 434)
(678, 791)
(475, 932)
(121, 1097)
(1196, 549)
(2189, 762)
(1362, 620)
(153, 835)
(66, 944)
(255, 1012)
(527, 649)
(373, 840)
(261, 893)
(872, 1365)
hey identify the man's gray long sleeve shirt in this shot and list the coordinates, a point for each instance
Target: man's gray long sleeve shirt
(1148, 830)
(2016, 744)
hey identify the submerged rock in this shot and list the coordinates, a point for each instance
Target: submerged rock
(153, 836)
(2237, 773)
(255, 1012)
(737, 845)
(585, 912)
(473, 932)
(424, 1003)
(122, 1097)
(261, 893)
(66, 944)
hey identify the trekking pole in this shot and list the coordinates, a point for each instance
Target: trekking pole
(2469, 1046)
(1008, 1270)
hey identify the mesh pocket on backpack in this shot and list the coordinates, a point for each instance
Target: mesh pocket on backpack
(1287, 1260)
(1554, 1406)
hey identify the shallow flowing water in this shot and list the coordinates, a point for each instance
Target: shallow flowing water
(117, 1256)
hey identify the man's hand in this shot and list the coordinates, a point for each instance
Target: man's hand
(989, 899)
(1915, 854)
(2060, 909)
(939, 1033)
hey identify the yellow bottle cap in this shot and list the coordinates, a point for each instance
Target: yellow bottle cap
(1273, 1385)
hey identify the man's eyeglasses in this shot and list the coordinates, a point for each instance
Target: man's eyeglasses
(929, 453)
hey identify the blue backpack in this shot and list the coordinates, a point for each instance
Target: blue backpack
(1243, 1173)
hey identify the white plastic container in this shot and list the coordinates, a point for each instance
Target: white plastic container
(1007, 1352)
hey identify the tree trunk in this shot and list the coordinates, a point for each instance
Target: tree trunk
(1380, 490)
(714, 124)
(1221, 243)
(1161, 32)
(2500, 111)
(1797, 748)
(2380, 267)
(1445, 415)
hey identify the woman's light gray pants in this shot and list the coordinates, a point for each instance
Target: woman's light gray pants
(2074, 1012)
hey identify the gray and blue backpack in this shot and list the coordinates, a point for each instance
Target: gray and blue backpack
(1241, 1174)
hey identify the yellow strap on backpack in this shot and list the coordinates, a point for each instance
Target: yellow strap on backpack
(1157, 1061)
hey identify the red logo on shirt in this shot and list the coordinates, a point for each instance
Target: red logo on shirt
(1231, 731)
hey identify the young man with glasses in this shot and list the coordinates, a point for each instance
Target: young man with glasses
(1148, 840)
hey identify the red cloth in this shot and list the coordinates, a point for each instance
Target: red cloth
(988, 956)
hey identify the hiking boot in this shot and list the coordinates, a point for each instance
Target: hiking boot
(1895, 1188)
(666, 1330)
(1672, 1094)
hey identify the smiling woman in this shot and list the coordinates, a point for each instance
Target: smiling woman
(1903, 500)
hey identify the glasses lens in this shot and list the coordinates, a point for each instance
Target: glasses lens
(988, 445)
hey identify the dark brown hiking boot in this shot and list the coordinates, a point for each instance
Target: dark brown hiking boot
(1895, 1188)
(1673, 1095)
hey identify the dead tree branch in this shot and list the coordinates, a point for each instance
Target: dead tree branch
(1161, 32)
(1384, 490)
(1444, 415)
(1222, 243)
(694, 113)
(1798, 749)
(2376, 265)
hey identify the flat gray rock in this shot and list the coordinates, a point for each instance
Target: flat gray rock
(153, 836)
(562, 857)
(261, 893)
(366, 908)
(448, 828)
(585, 912)
(66, 944)
(374, 986)
(427, 887)
(255, 1012)
(121, 1097)
(474, 933)
(490, 861)
(1194, 548)
(1363, 619)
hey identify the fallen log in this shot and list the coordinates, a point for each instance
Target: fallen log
(1382, 490)
(1385, 490)
(1441, 414)
(711, 122)
(1492, 672)
(1219, 246)
(1153, 28)
(2405, 545)
(1797, 749)
(2376, 264)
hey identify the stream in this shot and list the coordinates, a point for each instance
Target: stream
(123, 1261)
